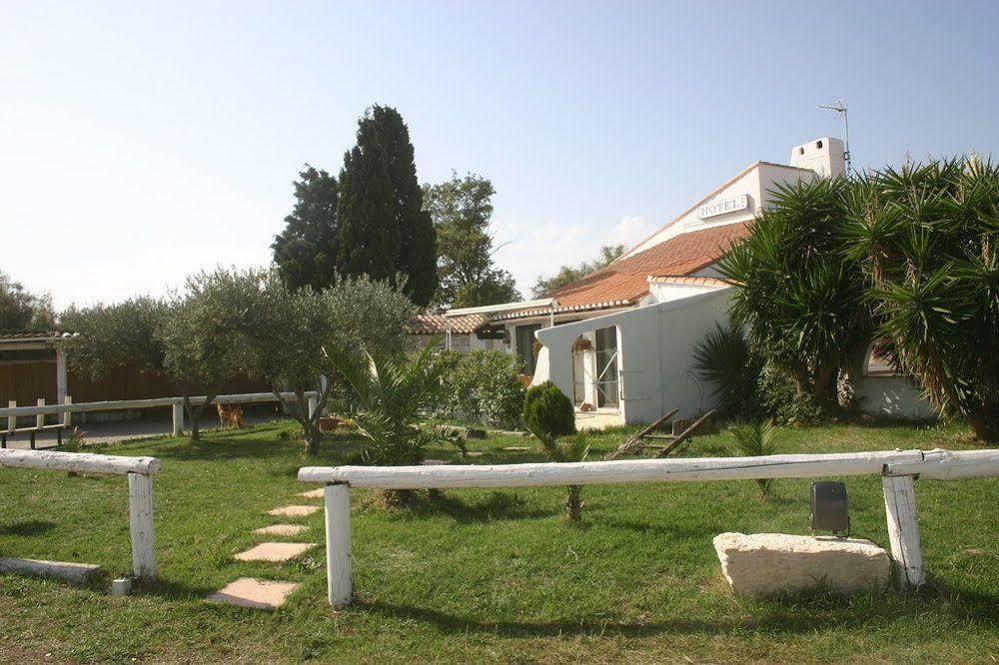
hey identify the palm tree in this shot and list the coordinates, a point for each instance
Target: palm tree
(798, 296)
(927, 239)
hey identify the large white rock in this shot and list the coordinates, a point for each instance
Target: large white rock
(765, 564)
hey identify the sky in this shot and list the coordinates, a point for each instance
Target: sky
(141, 142)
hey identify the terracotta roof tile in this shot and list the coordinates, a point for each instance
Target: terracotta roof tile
(687, 280)
(626, 280)
(436, 324)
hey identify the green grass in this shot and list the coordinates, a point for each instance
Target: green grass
(487, 575)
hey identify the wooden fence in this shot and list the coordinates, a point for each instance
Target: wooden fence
(897, 468)
(139, 471)
(176, 404)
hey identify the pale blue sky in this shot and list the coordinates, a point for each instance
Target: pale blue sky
(140, 142)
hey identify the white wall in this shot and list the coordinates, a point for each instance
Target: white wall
(655, 344)
(892, 396)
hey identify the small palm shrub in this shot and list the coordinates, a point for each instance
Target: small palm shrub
(385, 396)
(724, 360)
(755, 440)
(548, 415)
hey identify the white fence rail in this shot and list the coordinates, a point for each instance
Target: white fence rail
(176, 404)
(897, 468)
(139, 471)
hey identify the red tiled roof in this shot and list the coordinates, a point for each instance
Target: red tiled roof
(437, 324)
(626, 280)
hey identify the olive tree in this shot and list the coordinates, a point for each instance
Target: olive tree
(109, 336)
(299, 333)
(206, 337)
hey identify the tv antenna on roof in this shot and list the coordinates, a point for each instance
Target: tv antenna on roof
(840, 108)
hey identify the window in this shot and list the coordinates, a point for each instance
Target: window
(525, 346)
(606, 379)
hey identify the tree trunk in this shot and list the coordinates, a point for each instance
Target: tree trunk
(574, 503)
(193, 415)
(824, 388)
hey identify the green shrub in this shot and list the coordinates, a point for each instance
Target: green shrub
(548, 413)
(780, 400)
(481, 387)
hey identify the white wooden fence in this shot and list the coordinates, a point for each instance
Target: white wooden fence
(897, 468)
(139, 471)
(176, 404)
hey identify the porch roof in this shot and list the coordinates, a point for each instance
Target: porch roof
(437, 324)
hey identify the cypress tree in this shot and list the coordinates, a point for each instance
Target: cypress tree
(384, 230)
(305, 251)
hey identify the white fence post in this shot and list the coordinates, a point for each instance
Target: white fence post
(313, 403)
(12, 420)
(40, 418)
(903, 530)
(177, 412)
(140, 522)
(67, 417)
(338, 565)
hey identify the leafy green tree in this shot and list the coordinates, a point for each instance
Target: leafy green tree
(206, 337)
(383, 230)
(566, 275)
(798, 296)
(548, 415)
(460, 209)
(298, 334)
(111, 336)
(927, 240)
(22, 310)
(305, 251)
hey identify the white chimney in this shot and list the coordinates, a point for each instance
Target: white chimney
(824, 156)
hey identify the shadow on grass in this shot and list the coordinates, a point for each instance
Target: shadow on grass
(800, 614)
(498, 506)
(235, 445)
(29, 528)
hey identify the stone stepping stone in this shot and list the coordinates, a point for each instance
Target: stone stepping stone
(516, 449)
(314, 494)
(474, 453)
(293, 511)
(281, 530)
(252, 592)
(274, 552)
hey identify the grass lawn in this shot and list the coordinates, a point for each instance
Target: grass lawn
(487, 575)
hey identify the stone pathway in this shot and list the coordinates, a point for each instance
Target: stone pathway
(250, 592)
(270, 594)
(293, 511)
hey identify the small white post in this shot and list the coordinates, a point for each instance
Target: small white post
(140, 524)
(12, 420)
(60, 376)
(67, 416)
(177, 411)
(313, 403)
(903, 530)
(40, 418)
(338, 565)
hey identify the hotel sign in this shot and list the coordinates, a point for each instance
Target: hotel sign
(723, 207)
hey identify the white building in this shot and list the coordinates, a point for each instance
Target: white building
(619, 341)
